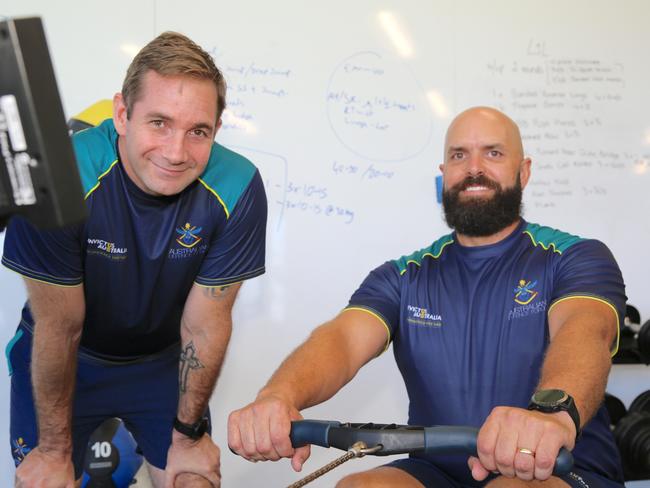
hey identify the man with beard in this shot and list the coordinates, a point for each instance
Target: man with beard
(504, 325)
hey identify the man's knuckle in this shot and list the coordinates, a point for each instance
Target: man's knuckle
(278, 438)
(248, 451)
(264, 449)
(503, 460)
(499, 411)
(484, 450)
(544, 462)
(524, 475)
(542, 474)
(263, 406)
(532, 423)
(245, 415)
(512, 415)
(523, 465)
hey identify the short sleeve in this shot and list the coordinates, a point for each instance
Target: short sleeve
(380, 294)
(238, 252)
(52, 256)
(589, 269)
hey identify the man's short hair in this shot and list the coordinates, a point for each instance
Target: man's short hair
(172, 54)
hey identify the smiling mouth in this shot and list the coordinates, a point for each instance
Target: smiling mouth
(470, 189)
(170, 171)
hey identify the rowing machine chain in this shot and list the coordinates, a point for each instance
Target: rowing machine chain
(358, 449)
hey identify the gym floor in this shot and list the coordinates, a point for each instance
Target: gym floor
(142, 479)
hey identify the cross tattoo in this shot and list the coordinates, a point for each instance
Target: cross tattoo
(188, 361)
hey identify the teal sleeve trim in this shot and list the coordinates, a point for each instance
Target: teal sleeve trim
(9, 347)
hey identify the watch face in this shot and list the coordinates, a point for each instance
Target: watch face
(549, 397)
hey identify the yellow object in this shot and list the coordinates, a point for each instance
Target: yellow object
(96, 113)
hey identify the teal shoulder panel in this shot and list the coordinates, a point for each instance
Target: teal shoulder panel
(433, 251)
(227, 175)
(95, 151)
(549, 238)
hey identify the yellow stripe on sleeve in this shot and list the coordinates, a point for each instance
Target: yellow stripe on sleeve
(601, 300)
(378, 317)
(227, 285)
(99, 179)
(42, 281)
(211, 190)
(538, 243)
(434, 256)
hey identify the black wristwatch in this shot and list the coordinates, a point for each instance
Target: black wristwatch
(193, 431)
(551, 401)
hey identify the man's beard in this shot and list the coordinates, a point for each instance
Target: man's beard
(481, 217)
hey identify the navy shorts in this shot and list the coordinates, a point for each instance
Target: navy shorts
(143, 393)
(432, 476)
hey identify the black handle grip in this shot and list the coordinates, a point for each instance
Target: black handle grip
(462, 440)
(305, 432)
(437, 440)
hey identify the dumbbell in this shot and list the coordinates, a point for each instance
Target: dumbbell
(643, 342)
(634, 340)
(632, 434)
(632, 315)
(112, 458)
(615, 408)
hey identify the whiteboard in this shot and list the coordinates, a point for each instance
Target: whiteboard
(343, 107)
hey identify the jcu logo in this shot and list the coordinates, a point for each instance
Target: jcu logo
(524, 293)
(188, 235)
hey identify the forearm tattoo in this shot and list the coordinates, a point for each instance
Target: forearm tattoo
(188, 360)
(215, 291)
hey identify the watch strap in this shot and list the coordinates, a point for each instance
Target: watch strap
(193, 431)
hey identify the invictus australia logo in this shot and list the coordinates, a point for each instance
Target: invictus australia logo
(188, 235)
(106, 249)
(421, 316)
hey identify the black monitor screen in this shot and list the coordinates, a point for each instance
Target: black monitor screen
(38, 172)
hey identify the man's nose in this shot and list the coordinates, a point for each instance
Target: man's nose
(475, 164)
(174, 149)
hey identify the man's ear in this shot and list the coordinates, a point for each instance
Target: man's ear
(119, 114)
(524, 172)
(216, 129)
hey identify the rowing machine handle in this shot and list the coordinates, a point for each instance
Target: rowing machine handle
(435, 440)
(443, 439)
